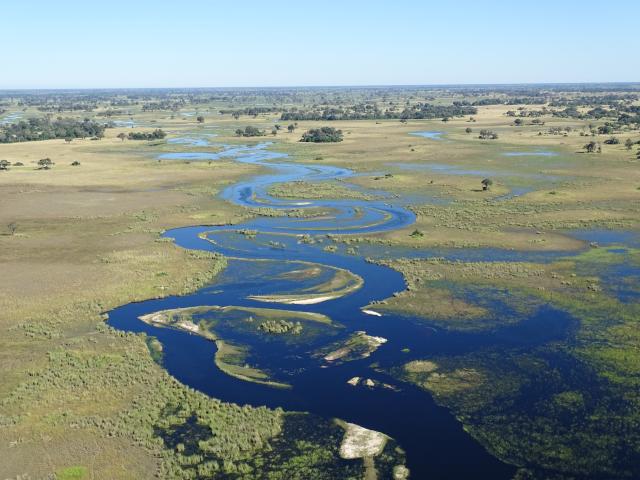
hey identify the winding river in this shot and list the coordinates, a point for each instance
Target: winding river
(435, 442)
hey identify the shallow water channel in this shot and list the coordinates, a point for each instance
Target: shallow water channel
(435, 442)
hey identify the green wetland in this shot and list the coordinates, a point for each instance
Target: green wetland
(436, 283)
(515, 377)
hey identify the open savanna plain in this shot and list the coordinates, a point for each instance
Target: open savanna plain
(81, 400)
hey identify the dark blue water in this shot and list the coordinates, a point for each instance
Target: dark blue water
(436, 445)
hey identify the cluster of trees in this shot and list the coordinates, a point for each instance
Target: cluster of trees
(110, 113)
(157, 134)
(46, 129)
(43, 164)
(488, 134)
(613, 99)
(170, 104)
(623, 116)
(322, 135)
(68, 106)
(5, 164)
(249, 131)
(280, 327)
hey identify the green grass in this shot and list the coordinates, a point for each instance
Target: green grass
(72, 473)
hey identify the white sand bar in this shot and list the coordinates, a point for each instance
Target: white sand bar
(360, 442)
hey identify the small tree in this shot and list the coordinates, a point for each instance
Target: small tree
(518, 122)
(591, 147)
(628, 143)
(200, 119)
(291, 128)
(4, 164)
(488, 135)
(468, 130)
(274, 131)
(122, 136)
(486, 183)
(45, 163)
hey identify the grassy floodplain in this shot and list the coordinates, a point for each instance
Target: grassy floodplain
(80, 400)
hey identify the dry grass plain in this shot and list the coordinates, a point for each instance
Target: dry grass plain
(87, 240)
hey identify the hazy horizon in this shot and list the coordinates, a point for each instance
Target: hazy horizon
(328, 86)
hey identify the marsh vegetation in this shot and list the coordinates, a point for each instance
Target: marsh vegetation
(535, 323)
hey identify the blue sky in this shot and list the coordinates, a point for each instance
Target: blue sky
(193, 43)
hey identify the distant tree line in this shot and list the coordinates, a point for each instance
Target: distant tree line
(593, 100)
(46, 129)
(372, 111)
(168, 104)
(502, 101)
(110, 113)
(68, 107)
(249, 111)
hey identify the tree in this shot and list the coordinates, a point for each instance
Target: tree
(488, 135)
(122, 136)
(45, 163)
(322, 135)
(291, 128)
(486, 183)
(4, 164)
(157, 134)
(628, 143)
(591, 147)
(46, 129)
(249, 131)
(200, 119)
